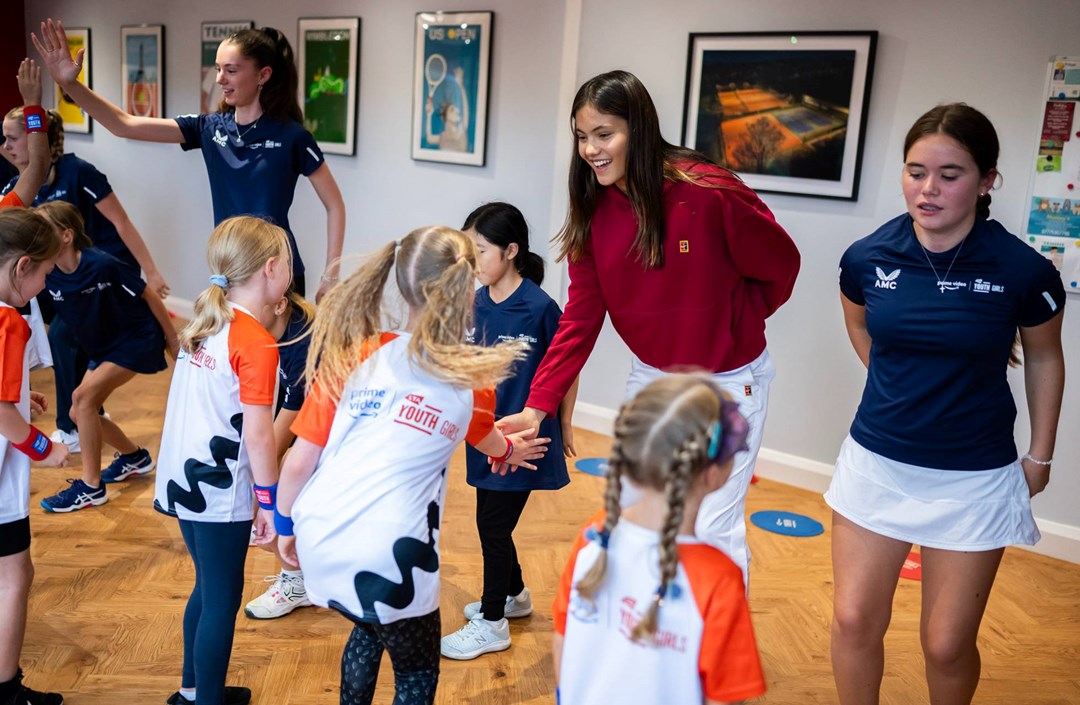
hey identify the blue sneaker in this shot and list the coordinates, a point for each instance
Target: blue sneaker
(78, 496)
(124, 466)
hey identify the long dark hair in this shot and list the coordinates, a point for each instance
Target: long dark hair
(971, 129)
(502, 224)
(267, 46)
(650, 160)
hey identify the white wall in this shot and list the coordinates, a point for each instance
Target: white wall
(990, 55)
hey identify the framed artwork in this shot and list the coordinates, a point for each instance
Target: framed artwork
(786, 110)
(213, 33)
(142, 67)
(451, 77)
(329, 78)
(75, 118)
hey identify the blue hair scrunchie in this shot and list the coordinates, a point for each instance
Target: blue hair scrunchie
(219, 280)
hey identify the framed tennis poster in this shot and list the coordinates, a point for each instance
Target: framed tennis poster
(75, 119)
(142, 68)
(450, 86)
(329, 78)
(213, 33)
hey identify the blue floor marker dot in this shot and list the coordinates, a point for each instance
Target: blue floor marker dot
(592, 466)
(787, 523)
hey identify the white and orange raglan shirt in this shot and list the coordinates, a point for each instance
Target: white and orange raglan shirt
(14, 388)
(204, 473)
(367, 521)
(704, 645)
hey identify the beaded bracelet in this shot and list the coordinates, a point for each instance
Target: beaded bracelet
(1044, 463)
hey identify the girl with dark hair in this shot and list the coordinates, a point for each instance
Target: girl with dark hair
(684, 258)
(255, 147)
(933, 301)
(510, 305)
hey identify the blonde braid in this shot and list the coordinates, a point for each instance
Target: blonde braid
(591, 581)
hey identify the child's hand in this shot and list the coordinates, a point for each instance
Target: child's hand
(525, 448)
(57, 457)
(53, 47)
(38, 403)
(286, 546)
(30, 82)
(568, 438)
(264, 527)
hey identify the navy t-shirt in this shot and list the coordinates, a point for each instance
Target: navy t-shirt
(528, 314)
(79, 183)
(102, 302)
(253, 168)
(936, 393)
(291, 362)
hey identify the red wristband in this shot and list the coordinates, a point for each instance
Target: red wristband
(34, 117)
(509, 451)
(36, 446)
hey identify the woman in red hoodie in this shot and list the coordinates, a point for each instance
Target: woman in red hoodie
(686, 260)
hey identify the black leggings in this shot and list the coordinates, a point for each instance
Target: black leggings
(413, 645)
(497, 515)
(218, 550)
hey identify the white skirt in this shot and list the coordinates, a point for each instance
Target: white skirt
(946, 509)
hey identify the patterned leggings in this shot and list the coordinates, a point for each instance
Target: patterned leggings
(413, 645)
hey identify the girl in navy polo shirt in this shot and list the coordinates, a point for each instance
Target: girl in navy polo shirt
(255, 146)
(509, 306)
(933, 301)
(124, 328)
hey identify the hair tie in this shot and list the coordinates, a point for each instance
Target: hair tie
(598, 535)
(219, 280)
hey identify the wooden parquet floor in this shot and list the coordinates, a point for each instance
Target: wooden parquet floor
(106, 607)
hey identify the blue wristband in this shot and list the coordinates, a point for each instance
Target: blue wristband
(283, 525)
(266, 496)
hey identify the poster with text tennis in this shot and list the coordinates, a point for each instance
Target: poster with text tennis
(451, 85)
(213, 34)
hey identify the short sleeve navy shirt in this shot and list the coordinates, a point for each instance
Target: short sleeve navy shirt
(292, 359)
(253, 169)
(79, 183)
(528, 314)
(937, 393)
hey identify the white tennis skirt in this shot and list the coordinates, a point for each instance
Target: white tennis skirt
(947, 509)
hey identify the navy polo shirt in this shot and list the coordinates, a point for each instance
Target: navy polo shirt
(936, 391)
(102, 302)
(527, 314)
(292, 359)
(253, 168)
(80, 183)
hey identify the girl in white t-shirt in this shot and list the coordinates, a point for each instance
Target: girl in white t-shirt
(674, 443)
(219, 438)
(365, 481)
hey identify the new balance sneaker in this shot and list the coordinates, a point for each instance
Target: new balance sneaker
(286, 594)
(78, 495)
(477, 637)
(124, 466)
(71, 440)
(234, 695)
(25, 696)
(516, 607)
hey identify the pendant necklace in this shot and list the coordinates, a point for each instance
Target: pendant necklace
(941, 282)
(239, 136)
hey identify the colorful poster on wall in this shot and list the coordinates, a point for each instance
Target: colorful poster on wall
(450, 86)
(213, 33)
(75, 118)
(142, 69)
(329, 74)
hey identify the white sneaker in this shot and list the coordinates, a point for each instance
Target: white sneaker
(286, 594)
(516, 607)
(71, 440)
(477, 637)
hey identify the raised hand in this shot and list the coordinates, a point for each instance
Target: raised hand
(53, 47)
(30, 82)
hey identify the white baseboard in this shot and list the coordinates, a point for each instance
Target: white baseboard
(1059, 540)
(181, 308)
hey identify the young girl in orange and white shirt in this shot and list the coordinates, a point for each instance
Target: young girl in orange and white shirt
(365, 482)
(621, 637)
(219, 438)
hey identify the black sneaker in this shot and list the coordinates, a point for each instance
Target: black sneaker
(234, 695)
(26, 696)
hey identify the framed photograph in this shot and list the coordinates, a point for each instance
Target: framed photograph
(213, 33)
(329, 80)
(451, 77)
(786, 110)
(142, 68)
(75, 118)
